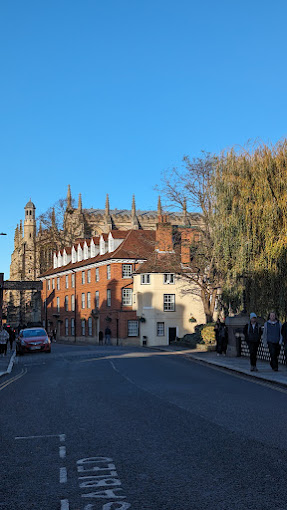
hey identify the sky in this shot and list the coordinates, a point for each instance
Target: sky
(107, 95)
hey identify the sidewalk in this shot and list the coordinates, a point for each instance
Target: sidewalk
(7, 362)
(239, 365)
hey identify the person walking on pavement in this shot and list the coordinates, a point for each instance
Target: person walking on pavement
(107, 336)
(252, 333)
(101, 336)
(11, 338)
(273, 338)
(284, 338)
(4, 337)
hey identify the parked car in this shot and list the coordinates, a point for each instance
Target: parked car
(33, 339)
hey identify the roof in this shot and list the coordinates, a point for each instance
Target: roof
(160, 263)
(30, 205)
(138, 244)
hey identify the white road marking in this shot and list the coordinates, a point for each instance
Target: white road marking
(65, 504)
(62, 452)
(63, 475)
(39, 437)
(13, 379)
(62, 437)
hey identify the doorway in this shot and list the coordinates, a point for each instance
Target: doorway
(171, 335)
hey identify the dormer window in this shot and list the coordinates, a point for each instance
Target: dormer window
(102, 246)
(168, 278)
(111, 243)
(74, 255)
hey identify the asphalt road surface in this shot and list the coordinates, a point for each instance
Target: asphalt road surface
(112, 428)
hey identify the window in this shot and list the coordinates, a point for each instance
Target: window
(83, 300)
(83, 277)
(67, 281)
(127, 270)
(88, 300)
(58, 283)
(73, 280)
(73, 327)
(49, 284)
(53, 283)
(58, 304)
(83, 323)
(109, 297)
(66, 303)
(168, 278)
(73, 302)
(108, 272)
(90, 326)
(97, 299)
(145, 279)
(66, 327)
(127, 295)
(133, 328)
(89, 276)
(97, 274)
(169, 302)
(160, 329)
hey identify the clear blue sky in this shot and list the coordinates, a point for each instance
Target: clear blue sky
(106, 95)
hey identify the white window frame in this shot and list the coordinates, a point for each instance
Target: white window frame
(108, 272)
(88, 300)
(97, 299)
(83, 278)
(89, 276)
(67, 281)
(58, 283)
(83, 301)
(58, 304)
(48, 284)
(97, 277)
(169, 302)
(66, 327)
(133, 328)
(160, 329)
(83, 327)
(145, 279)
(73, 327)
(73, 280)
(66, 303)
(168, 279)
(127, 297)
(127, 270)
(109, 297)
(90, 326)
(72, 302)
(53, 283)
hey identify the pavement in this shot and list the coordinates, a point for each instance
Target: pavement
(7, 362)
(239, 365)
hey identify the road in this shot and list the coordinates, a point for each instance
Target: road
(113, 428)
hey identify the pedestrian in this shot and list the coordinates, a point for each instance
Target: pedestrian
(108, 336)
(101, 336)
(284, 338)
(54, 335)
(11, 337)
(4, 337)
(273, 339)
(252, 334)
(217, 327)
(221, 337)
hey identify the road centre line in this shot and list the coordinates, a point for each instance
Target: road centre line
(13, 379)
(41, 437)
(63, 475)
(62, 452)
(65, 504)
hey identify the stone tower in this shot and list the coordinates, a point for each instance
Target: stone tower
(29, 248)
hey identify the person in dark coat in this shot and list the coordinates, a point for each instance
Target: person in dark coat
(273, 339)
(108, 336)
(221, 337)
(284, 338)
(252, 333)
(101, 337)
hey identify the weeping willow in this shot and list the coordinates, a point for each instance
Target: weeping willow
(250, 225)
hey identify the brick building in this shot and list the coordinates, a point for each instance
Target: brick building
(91, 287)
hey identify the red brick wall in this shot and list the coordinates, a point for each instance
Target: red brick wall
(164, 240)
(118, 313)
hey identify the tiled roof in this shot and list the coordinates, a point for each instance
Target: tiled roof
(119, 234)
(138, 244)
(160, 263)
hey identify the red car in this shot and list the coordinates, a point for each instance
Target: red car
(33, 339)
